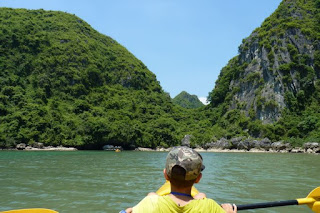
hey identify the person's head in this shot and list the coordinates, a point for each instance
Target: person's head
(183, 166)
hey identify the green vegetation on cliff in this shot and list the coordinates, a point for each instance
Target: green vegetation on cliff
(272, 88)
(188, 101)
(63, 83)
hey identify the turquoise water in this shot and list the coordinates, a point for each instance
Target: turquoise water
(98, 181)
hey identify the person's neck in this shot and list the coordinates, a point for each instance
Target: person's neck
(182, 199)
(186, 190)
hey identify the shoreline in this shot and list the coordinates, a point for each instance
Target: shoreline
(221, 146)
(142, 149)
(47, 148)
(297, 150)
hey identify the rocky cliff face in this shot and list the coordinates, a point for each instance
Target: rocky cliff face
(267, 83)
(277, 62)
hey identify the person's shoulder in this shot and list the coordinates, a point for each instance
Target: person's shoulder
(147, 203)
(208, 203)
(206, 200)
(151, 197)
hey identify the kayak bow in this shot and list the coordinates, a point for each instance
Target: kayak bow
(166, 189)
(37, 210)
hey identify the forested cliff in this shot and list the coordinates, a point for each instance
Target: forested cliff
(272, 88)
(64, 83)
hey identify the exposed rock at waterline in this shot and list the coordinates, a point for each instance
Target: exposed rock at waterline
(311, 145)
(263, 145)
(162, 149)
(111, 147)
(40, 147)
(281, 146)
(297, 150)
(144, 149)
(220, 144)
(235, 142)
(245, 145)
(21, 146)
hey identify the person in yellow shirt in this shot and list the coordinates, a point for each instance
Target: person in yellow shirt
(183, 169)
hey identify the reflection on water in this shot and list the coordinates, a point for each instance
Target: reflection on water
(99, 181)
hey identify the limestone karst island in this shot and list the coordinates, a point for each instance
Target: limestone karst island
(62, 83)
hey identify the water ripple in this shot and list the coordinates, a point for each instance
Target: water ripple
(93, 181)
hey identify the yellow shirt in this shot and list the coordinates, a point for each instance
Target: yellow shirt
(165, 204)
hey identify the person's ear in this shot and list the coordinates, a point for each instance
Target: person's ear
(165, 174)
(198, 178)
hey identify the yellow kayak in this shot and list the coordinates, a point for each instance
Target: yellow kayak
(163, 190)
(37, 210)
(166, 189)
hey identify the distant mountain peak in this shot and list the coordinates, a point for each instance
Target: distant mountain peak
(188, 101)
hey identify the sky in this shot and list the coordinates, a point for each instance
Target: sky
(185, 43)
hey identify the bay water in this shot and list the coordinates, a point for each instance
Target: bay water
(102, 181)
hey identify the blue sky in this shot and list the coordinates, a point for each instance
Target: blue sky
(185, 43)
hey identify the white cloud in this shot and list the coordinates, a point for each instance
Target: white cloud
(204, 100)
